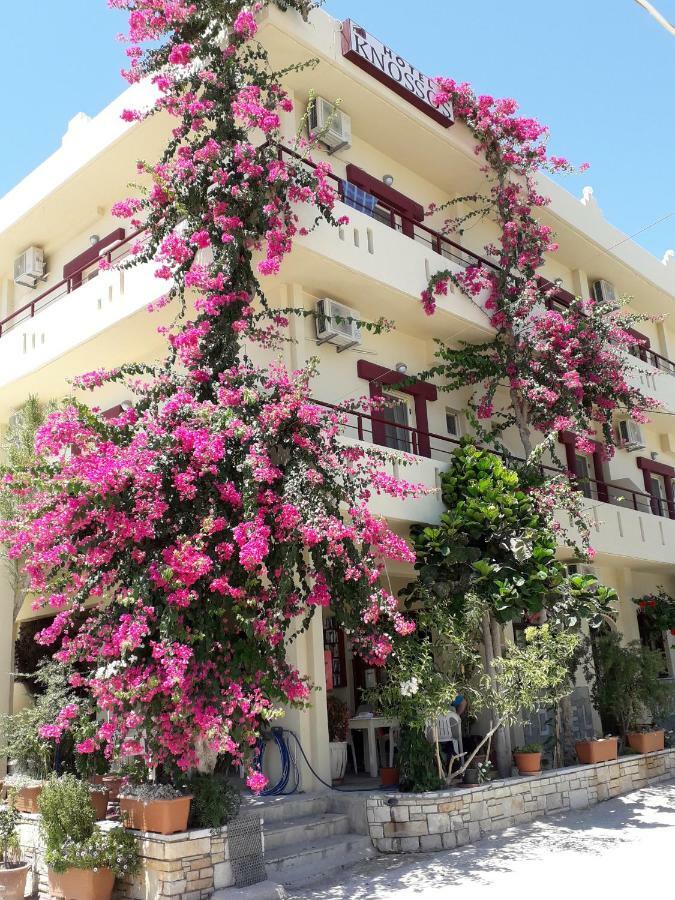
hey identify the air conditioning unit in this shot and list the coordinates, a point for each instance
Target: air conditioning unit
(29, 268)
(604, 292)
(630, 435)
(334, 324)
(328, 124)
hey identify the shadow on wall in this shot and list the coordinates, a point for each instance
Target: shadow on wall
(591, 832)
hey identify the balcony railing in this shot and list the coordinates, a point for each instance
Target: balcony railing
(408, 439)
(398, 221)
(112, 254)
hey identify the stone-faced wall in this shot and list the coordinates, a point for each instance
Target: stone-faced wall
(191, 865)
(446, 819)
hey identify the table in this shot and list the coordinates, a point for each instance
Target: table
(368, 726)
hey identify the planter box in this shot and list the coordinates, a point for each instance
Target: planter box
(13, 882)
(82, 884)
(157, 816)
(99, 800)
(647, 741)
(528, 763)
(26, 799)
(589, 752)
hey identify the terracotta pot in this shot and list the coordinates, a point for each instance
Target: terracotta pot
(647, 741)
(114, 783)
(157, 816)
(26, 799)
(99, 800)
(13, 882)
(82, 884)
(528, 763)
(589, 752)
(388, 776)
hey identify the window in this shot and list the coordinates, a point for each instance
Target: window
(397, 413)
(582, 470)
(659, 497)
(453, 423)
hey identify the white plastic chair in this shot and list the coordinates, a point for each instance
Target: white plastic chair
(448, 728)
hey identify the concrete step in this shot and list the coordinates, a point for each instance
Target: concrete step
(303, 863)
(304, 830)
(281, 809)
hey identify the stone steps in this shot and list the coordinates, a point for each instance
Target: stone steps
(303, 863)
(304, 830)
(305, 840)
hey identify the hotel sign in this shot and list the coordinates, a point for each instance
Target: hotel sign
(392, 70)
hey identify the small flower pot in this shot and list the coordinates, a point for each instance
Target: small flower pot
(528, 763)
(589, 752)
(389, 776)
(647, 741)
(156, 816)
(338, 759)
(99, 800)
(13, 882)
(81, 884)
(26, 799)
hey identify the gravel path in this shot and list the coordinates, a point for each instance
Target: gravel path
(623, 845)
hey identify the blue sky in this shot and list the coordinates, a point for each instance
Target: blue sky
(600, 73)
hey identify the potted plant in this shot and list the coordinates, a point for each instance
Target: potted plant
(628, 685)
(597, 751)
(158, 808)
(338, 725)
(14, 870)
(528, 759)
(26, 791)
(83, 860)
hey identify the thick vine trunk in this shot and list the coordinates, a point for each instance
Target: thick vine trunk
(522, 424)
(492, 642)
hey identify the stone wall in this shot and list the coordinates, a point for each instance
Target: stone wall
(446, 819)
(190, 866)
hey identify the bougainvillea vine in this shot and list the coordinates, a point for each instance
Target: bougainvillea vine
(552, 366)
(202, 528)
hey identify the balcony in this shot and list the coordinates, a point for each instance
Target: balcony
(625, 523)
(92, 320)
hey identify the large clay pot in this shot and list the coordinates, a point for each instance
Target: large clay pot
(647, 741)
(25, 800)
(13, 882)
(114, 783)
(389, 777)
(338, 759)
(99, 800)
(589, 752)
(82, 884)
(157, 816)
(528, 763)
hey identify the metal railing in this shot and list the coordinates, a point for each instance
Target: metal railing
(112, 254)
(398, 221)
(408, 439)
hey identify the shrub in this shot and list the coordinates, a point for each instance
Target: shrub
(215, 802)
(418, 770)
(9, 838)
(72, 839)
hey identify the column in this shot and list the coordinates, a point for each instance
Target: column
(310, 725)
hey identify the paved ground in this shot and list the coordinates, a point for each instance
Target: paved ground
(621, 846)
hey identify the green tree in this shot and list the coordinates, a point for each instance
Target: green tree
(489, 561)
